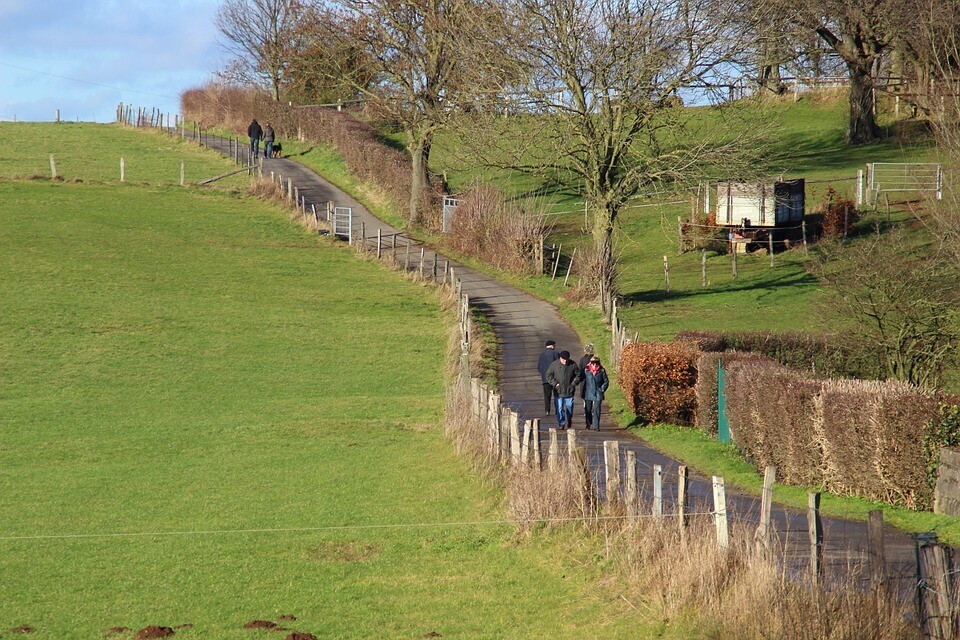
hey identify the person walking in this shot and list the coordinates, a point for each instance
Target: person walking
(588, 352)
(255, 132)
(268, 138)
(564, 375)
(595, 385)
(546, 359)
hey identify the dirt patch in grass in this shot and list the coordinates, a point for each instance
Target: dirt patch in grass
(259, 624)
(287, 617)
(301, 635)
(115, 630)
(24, 628)
(153, 631)
(345, 552)
(432, 634)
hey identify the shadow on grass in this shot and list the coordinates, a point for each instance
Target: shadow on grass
(768, 285)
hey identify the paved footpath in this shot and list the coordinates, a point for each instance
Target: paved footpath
(522, 323)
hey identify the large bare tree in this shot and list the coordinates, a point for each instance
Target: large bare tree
(429, 58)
(602, 114)
(258, 32)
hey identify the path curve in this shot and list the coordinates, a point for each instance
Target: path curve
(523, 322)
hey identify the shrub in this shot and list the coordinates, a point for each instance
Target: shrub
(658, 380)
(705, 389)
(841, 356)
(839, 213)
(498, 231)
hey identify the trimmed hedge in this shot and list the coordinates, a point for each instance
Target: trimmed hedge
(705, 389)
(824, 355)
(657, 379)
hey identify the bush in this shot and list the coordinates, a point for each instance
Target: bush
(498, 231)
(839, 213)
(705, 389)
(658, 380)
(825, 355)
(365, 155)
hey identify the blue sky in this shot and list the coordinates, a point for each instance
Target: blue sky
(133, 45)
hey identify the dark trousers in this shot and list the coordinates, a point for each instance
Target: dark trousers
(254, 148)
(591, 409)
(268, 148)
(547, 397)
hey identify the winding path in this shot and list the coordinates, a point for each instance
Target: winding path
(522, 323)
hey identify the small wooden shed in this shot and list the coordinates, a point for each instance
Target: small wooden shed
(760, 205)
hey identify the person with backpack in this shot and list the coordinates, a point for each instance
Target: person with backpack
(268, 138)
(595, 385)
(547, 358)
(255, 131)
(564, 376)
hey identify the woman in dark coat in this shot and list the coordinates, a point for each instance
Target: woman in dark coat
(595, 384)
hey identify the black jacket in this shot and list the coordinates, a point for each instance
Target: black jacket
(564, 378)
(254, 130)
(595, 385)
(584, 361)
(546, 359)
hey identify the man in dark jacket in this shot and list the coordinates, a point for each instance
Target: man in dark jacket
(564, 375)
(546, 359)
(268, 138)
(595, 385)
(255, 133)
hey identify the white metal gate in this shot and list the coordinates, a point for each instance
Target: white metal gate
(450, 205)
(343, 223)
(889, 177)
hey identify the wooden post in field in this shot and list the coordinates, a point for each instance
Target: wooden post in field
(571, 443)
(875, 551)
(446, 271)
(859, 187)
(58, 115)
(379, 243)
(611, 465)
(703, 267)
(683, 496)
(679, 236)
(556, 263)
(766, 504)
(316, 216)
(815, 534)
(183, 173)
(846, 219)
(290, 189)
(936, 593)
(123, 170)
(733, 259)
(666, 274)
(434, 266)
(53, 167)
(569, 268)
(657, 491)
(493, 426)
(886, 199)
(421, 260)
(633, 506)
(553, 453)
(525, 443)
(330, 208)
(803, 229)
(406, 259)
(770, 248)
(537, 456)
(720, 513)
(363, 235)
(513, 422)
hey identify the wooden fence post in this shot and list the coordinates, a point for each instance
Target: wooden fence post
(290, 189)
(183, 173)
(815, 535)
(680, 235)
(936, 590)
(683, 496)
(803, 229)
(421, 260)
(571, 443)
(733, 258)
(720, 513)
(53, 167)
(875, 551)
(766, 504)
(406, 260)
(611, 465)
(553, 453)
(657, 491)
(569, 267)
(770, 248)
(379, 241)
(525, 443)
(537, 456)
(556, 263)
(666, 274)
(513, 421)
(631, 499)
(493, 428)
(703, 267)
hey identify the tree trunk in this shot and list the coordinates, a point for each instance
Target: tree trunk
(602, 269)
(863, 122)
(418, 179)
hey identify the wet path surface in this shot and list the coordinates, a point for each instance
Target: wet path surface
(522, 323)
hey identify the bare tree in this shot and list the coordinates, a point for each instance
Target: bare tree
(602, 113)
(258, 31)
(429, 58)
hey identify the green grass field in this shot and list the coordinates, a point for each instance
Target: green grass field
(181, 367)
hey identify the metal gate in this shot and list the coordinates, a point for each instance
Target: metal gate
(888, 177)
(343, 223)
(450, 205)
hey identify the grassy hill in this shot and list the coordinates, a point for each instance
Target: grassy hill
(209, 416)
